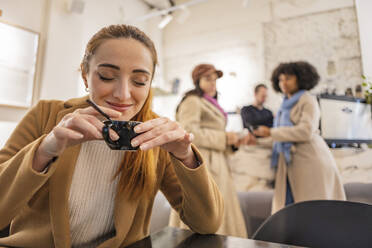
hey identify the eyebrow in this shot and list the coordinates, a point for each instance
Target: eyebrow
(109, 65)
(118, 68)
(141, 71)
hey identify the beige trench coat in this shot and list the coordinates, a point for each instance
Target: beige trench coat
(313, 173)
(207, 123)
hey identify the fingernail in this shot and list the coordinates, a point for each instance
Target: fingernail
(137, 129)
(144, 147)
(134, 143)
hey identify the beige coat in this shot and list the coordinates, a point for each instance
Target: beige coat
(313, 174)
(36, 205)
(207, 123)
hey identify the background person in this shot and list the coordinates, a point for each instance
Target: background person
(200, 114)
(305, 167)
(256, 114)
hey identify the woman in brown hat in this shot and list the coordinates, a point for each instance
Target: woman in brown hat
(200, 114)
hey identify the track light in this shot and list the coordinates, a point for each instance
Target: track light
(164, 21)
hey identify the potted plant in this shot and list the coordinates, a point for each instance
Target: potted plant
(367, 84)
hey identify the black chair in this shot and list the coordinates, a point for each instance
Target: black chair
(320, 224)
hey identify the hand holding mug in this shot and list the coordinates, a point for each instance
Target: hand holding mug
(74, 128)
(167, 134)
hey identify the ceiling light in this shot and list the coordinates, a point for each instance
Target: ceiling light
(164, 21)
(183, 14)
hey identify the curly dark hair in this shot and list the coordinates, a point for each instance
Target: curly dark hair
(306, 74)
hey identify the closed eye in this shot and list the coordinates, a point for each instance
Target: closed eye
(139, 83)
(104, 78)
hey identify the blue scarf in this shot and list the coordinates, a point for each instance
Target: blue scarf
(283, 119)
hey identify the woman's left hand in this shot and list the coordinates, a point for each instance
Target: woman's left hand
(262, 131)
(167, 134)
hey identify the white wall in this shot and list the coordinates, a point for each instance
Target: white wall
(68, 35)
(31, 15)
(329, 40)
(364, 10)
(19, 12)
(63, 37)
(225, 34)
(230, 36)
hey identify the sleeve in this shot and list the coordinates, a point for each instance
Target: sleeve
(271, 119)
(246, 117)
(193, 194)
(18, 181)
(189, 115)
(304, 129)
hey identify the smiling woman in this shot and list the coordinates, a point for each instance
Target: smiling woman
(122, 85)
(62, 186)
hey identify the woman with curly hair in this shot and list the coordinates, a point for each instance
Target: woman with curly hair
(305, 168)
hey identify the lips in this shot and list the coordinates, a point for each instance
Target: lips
(119, 106)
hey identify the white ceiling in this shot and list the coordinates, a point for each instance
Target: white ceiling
(159, 4)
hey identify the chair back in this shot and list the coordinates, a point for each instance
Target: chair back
(322, 223)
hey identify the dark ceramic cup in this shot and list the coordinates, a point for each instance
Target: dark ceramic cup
(125, 131)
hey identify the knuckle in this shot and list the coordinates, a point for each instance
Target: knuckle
(91, 118)
(167, 136)
(56, 129)
(74, 120)
(66, 117)
(165, 119)
(77, 111)
(175, 126)
(157, 132)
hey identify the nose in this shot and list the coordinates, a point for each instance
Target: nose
(122, 90)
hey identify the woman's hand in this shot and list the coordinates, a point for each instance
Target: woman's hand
(169, 135)
(232, 138)
(262, 131)
(248, 139)
(77, 127)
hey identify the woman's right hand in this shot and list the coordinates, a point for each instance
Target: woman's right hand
(74, 128)
(248, 139)
(232, 138)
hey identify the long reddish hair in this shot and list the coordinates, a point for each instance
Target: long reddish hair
(137, 170)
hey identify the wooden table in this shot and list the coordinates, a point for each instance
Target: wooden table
(171, 237)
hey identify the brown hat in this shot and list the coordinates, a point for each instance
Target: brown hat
(204, 70)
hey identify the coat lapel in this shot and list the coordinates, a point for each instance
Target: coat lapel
(124, 213)
(210, 106)
(60, 183)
